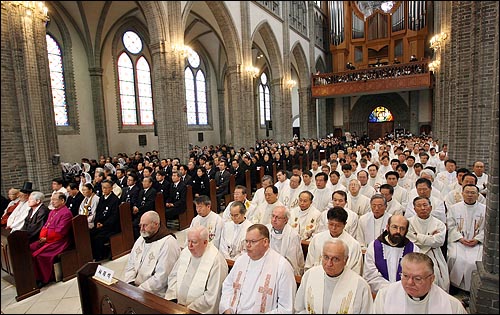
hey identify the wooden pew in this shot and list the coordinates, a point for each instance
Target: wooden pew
(260, 173)
(232, 184)
(122, 243)
(80, 252)
(160, 208)
(248, 182)
(187, 216)
(16, 255)
(213, 195)
(274, 173)
(120, 297)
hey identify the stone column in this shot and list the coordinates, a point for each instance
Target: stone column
(29, 139)
(101, 132)
(222, 115)
(307, 111)
(413, 100)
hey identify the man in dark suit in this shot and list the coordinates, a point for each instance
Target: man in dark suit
(222, 182)
(106, 222)
(37, 216)
(211, 171)
(175, 203)
(75, 198)
(238, 172)
(185, 177)
(131, 192)
(147, 197)
(122, 178)
(162, 184)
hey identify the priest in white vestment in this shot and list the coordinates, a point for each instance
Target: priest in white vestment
(393, 206)
(339, 199)
(366, 189)
(232, 239)
(373, 223)
(263, 212)
(152, 257)
(322, 194)
(332, 288)
(429, 234)
(304, 217)
(383, 255)
(424, 189)
(337, 218)
(286, 240)
(209, 219)
(258, 196)
(357, 202)
(261, 280)
(196, 280)
(400, 194)
(465, 237)
(416, 292)
(239, 194)
(289, 194)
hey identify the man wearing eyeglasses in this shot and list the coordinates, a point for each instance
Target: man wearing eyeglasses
(465, 237)
(285, 240)
(337, 220)
(261, 280)
(383, 255)
(332, 288)
(416, 292)
(429, 234)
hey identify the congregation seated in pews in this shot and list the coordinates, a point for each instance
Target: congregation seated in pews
(259, 201)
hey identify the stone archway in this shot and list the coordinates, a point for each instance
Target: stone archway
(367, 103)
(307, 109)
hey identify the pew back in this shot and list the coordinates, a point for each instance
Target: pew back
(122, 243)
(16, 251)
(120, 297)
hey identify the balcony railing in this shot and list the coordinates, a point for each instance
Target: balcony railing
(393, 78)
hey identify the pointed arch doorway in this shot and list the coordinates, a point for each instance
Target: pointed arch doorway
(380, 123)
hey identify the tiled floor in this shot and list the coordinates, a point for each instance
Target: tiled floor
(57, 297)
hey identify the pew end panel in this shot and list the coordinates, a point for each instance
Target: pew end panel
(80, 253)
(120, 297)
(122, 242)
(20, 262)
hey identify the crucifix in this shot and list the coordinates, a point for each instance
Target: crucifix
(265, 290)
(236, 287)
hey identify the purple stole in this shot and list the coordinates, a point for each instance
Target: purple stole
(381, 262)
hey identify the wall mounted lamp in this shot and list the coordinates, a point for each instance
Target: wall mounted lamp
(181, 50)
(290, 83)
(438, 40)
(252, 71)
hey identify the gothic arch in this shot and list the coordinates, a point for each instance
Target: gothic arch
(229, 36)
(272, 48)
(320, 65)
(367, 103)
(302, 67)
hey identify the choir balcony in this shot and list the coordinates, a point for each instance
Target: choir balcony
(374, 80)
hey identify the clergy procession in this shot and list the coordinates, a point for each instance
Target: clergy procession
(393, 227)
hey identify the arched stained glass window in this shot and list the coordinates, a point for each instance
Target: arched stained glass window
(57, 82)
(380, 114)
(264, 99)
(136, 96)
(196, 91)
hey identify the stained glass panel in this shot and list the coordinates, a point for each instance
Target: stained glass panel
(132, 42)
(57, 82)
(194, 59)
(380, 114)
(145, 92)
